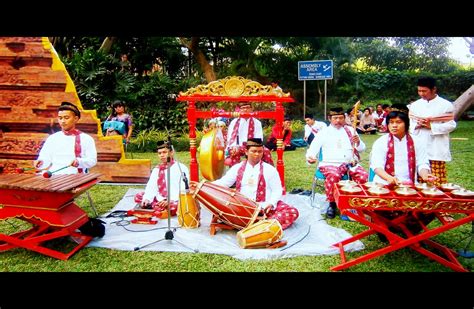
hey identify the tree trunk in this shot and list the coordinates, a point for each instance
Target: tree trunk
(193, 46)
(463, 102)
(107, 44)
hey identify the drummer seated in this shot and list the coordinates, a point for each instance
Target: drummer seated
(156, 190)
(260, 182)
(341, 146)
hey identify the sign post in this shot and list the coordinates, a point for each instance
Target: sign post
(315, 70)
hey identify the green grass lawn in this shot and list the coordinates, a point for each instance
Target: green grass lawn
(297, 175)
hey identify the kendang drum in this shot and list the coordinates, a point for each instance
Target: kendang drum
(189, 212)
(229, 205)
(262, 234)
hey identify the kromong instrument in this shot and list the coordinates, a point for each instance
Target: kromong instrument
(405, 210)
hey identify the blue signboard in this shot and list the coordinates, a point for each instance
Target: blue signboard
(315, 70)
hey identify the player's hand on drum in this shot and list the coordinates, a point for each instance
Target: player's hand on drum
(163, 203)
(145, 204)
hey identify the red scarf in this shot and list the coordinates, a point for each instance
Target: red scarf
(77, 144)
(235, 132)
(390, 161)
(162, 189)
(350, 137)
(251, 129)
(261, 187)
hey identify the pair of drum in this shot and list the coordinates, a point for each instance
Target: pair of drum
(238, 211)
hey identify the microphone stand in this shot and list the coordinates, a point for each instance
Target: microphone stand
(169, 233)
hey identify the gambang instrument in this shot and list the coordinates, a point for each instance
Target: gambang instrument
(189, 212)
(262, 234)
(47, 204)
(229, 205)
(211, 155)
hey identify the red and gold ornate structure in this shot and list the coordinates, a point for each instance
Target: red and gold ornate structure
(234, 89)
(47, 206)
(33, 83)
(405, 211)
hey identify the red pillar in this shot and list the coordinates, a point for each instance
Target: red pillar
(279, 117)
(193, 165)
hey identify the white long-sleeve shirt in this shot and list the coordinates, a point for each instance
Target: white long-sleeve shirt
(317, 126)
(58, 151)
(378, 157)
(436, 139)
(273, 188)
(176, 179)
(335, 145)
(243, 131)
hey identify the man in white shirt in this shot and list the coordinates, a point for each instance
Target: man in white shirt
(396, 157)
(239, 131)
(260, 182)
(431, 121)
(311, 128)
(156, 190)
(340, 145)
(68, 151)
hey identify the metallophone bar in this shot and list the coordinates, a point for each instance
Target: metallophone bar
(48, 205)
(364, 207)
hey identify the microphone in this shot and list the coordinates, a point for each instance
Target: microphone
(186, 182)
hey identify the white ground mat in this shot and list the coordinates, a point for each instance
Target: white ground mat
(309, 235)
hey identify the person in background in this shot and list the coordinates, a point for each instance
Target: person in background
(119, 122)
(367, 123)
(340, 146)
(240, 130)
(125, 64)
(378, 115)
(287, 132)
(311, 128)
(68, 147)
(431, 121)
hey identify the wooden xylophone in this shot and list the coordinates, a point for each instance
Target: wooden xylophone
(47, 204)
(36, 191)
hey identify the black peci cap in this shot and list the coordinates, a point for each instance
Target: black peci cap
(66, 106)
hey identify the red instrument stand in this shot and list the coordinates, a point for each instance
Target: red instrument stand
(48, 205)
(410, 209)
(215, 223)
(235, 89)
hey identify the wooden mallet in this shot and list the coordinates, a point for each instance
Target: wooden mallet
(48, 174)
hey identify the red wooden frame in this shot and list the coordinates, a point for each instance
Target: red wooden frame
(363, 207)
(48, 205)
(235, 89)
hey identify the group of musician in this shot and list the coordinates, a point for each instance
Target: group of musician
(414, 149)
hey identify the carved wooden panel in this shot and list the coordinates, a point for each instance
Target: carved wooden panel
(33, 83)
